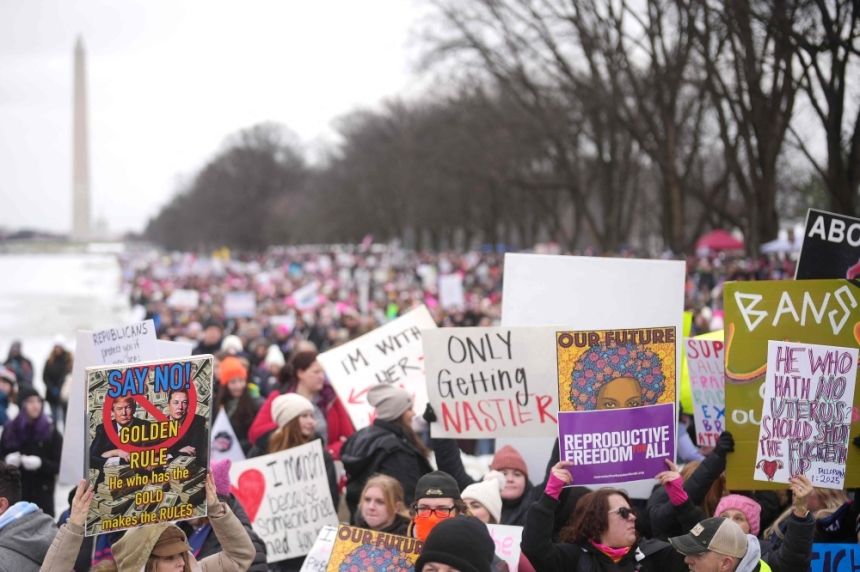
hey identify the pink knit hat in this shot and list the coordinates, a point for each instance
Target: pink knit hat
(750, 508)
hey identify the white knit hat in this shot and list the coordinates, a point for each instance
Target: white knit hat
(232, 344)
(287, 407)
(274, 356)
(488, 493)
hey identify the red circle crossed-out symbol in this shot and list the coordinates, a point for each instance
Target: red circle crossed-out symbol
(111, 432)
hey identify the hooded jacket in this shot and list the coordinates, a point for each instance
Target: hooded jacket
(381, 448)
(25, 541)
(132, 551)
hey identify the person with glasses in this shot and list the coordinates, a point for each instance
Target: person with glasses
(601, 535)
(437, 497)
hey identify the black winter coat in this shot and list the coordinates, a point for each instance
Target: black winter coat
(38, 486)
(513, 511)
(546, 556)
(381, 448)
(795, 550)
(665, 519)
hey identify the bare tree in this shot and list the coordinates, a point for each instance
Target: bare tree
(827, 43)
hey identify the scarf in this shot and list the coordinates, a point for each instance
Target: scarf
(21, 430)
(615, 554)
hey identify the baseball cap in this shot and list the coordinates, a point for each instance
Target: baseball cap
(718, 534)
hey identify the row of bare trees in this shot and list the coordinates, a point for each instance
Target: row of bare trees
(600, 123)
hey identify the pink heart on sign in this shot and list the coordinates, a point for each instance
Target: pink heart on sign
(250, 491)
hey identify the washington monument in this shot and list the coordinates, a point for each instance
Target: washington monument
(80, 151)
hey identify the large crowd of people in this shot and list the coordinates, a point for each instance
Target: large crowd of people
(388, 476)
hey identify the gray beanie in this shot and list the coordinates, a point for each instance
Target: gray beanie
(389, 401)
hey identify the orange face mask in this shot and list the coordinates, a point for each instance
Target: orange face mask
(424, 524)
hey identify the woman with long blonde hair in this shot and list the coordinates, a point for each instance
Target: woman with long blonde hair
(381, 506)
(831, 509)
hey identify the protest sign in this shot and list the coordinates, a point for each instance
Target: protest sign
(240, 305)
(831, 246)
(806, 417)
(148, 442)
(451, 294)
(835, 557)
(615, 446)
(121, 344)
(225, 444)
(507, 539)
(389, 354)
(685, 396)
(317, 558)
(612, 369)
(361, 549)
(305, 298)
(491, 382)
(591, 293)
(707, 384)
(823, 312)
(183, 299)
(287, 498)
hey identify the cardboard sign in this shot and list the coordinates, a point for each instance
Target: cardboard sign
(615, 446)
(287, 498)
(184, 299)
(835, 557)
(806, 417)
(148, 442)
(362, 549)
(225, 444)
(121, 344)
(591, 293)
(317, 558)
(507, 539)
(823, 312)
(451, 295)
(240, 305)
(831, 246)
(392, 353)
(491, 382)
(707, 385)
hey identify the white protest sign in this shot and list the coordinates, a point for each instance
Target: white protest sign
(806, 413)
(708, 386)
(507, 539)
(306, 297)
(492, 382)
(584, 293)
(240, 305)
(317, 558)
(451, 294)
(389, 354)
(183, 299)
(287, 498)
(225, 444)
(123, 344)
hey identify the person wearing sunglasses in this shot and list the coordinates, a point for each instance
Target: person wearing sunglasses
(601, 534)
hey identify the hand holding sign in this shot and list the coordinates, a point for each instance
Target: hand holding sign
(801, 488)
(81, 503)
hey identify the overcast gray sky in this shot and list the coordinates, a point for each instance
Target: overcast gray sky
(168, 81)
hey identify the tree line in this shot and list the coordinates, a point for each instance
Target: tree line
(600, 124)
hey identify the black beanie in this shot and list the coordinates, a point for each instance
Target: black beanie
(26, 392)
(462, 542)
(437, 484)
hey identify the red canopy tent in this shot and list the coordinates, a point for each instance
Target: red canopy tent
(719, 240)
